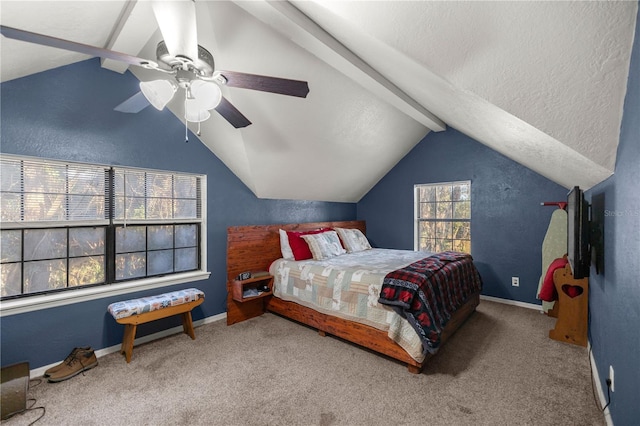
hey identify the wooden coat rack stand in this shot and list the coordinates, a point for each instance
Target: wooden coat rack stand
(573, 307)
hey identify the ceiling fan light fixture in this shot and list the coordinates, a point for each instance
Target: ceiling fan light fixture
(158, 92)
(208, 95)
(194, 113)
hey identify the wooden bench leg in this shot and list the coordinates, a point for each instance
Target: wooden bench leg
(127, 341)
(187, 325)
(131, 323)
(123, 347)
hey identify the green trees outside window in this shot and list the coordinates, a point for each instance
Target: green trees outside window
(443, 216)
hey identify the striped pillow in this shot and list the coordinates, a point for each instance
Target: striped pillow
(325, 245)
(353, 240)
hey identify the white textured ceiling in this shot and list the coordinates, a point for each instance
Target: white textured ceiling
(541, 82)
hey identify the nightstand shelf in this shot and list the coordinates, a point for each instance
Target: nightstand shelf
(238, 287)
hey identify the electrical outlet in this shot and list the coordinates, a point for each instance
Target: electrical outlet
(611, 378)
(515, 281)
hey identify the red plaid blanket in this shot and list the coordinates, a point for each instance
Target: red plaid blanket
(429, 291)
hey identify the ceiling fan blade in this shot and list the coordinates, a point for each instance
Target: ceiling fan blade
(45, 40)
(177, 22)
(265, 83)
(231, 114)
(134, 104)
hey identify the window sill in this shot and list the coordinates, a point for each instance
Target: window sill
(35, 303)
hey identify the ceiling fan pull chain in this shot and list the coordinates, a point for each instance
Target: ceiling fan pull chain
(186, 122)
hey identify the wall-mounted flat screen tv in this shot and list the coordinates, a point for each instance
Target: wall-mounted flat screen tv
(578, 247)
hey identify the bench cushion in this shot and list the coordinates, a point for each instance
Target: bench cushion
(147, 304)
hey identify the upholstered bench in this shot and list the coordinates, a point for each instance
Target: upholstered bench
(139, 311)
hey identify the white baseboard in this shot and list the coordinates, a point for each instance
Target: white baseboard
(512, 302)
(599, 390)
(37, 372)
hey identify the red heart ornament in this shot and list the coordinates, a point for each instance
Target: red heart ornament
(572, 290)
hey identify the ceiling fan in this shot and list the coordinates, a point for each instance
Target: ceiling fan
(179, 55)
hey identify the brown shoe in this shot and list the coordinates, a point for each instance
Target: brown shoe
(82, 360)
(68, 359)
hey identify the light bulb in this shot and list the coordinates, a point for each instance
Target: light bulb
(193, 111)
(158, 92)
(208, 95)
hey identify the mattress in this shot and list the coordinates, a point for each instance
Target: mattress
(348, 286)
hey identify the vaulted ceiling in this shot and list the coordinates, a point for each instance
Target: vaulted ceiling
(540, 82)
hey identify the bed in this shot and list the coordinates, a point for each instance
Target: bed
(251, 248)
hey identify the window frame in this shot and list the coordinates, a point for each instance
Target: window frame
(61, 297)
(418, 219)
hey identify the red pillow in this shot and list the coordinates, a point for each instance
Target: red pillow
(299, 246)
(548, 291)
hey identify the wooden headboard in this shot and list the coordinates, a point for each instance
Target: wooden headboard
(255, 247)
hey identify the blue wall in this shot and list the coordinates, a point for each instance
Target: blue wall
(507, 222)
(614, 296)
(67, 113)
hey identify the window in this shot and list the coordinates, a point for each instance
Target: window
(69, 225)
(443, 216)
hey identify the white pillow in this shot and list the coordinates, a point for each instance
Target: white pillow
(324, 245)
(285, 248)
(353, 239)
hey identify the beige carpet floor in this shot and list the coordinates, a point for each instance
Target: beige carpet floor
(500, 368)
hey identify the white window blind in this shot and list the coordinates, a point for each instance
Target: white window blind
(66, 225)
(35, 190)
(161, 196)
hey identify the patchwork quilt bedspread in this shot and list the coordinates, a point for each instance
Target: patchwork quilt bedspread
(428, 291)
(348, 286)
